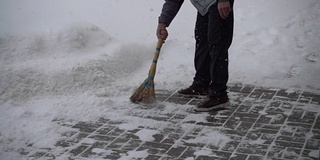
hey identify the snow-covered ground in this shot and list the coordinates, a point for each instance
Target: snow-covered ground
(73, 59)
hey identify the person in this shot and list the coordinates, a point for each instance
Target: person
(213, 36)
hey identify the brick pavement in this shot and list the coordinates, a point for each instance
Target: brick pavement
(260, 123)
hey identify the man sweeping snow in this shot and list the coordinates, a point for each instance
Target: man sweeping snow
(213, 35)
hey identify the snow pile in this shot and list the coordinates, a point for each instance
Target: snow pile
(277, 51)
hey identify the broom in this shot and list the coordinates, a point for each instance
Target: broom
(145, 93)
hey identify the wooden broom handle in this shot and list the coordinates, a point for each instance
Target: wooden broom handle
(160, 42)
(152, 70)
(159, 45)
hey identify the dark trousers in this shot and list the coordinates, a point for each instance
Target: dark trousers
(213, 38)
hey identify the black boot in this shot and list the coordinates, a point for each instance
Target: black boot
(212, 103)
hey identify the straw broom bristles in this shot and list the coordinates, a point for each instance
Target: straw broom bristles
(145, 93)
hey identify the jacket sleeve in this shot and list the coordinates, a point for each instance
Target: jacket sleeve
(169, 11)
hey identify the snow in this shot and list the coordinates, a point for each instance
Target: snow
(135, 155)
(146, 134)
(210, 136)
(76, 60)
(314, 153)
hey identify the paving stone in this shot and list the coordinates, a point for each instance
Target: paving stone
(241, 89)
(116, 132)
(185, 139)
(171, 138)
(89, 153)
(237, 156)
(115, 154)
(276, 152)
(255, 157)
(256, 93)
(264, 119)
(234, 132)
(189, 152)
(63, 143)
(306, 154)
(222, 154)
(102, 138)
(315, 134)
(224, 114)
(68, 134)
(48, 156)
(315, 100)
(306, 97)
(231, 124)
(115, 122)
(37, 154)
(159, 117)
(247, 117)
(275, 108)
(251, 136)
(129, 135)
(317, 123)
(311, 98)
(118, 143)
(291, 139)
(207, 157)
(313, 144)
(105, 130)
(77, 137)
(153, 157)
(100, 144)
(158, 137)
(277, 118)
(244, 126)
(176, 151)
(230, 146)
(85, 129)
(257, 149)
(289, 144)
(178, 100)
(268, 94)
(87, 126)
(301, 116)
(157, 145)
(211, 124)
(24, 151)
(152, 151)
(243, 108)
(268, 138)
(292, 153)
(78, 150)
(171, 130)
(285, 95)
(265, 128)
(260, 93)
(176, 118)
(132, 144)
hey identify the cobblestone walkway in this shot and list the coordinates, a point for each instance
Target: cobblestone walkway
(260, 123)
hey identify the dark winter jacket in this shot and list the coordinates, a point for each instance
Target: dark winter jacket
(169, 11)
(171, 8)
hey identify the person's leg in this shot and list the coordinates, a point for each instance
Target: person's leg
(202, 59)
(220, 35)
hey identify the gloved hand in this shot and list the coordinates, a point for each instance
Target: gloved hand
(224, 8)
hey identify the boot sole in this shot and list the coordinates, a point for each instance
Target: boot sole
(219, 106)
(193, 94)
